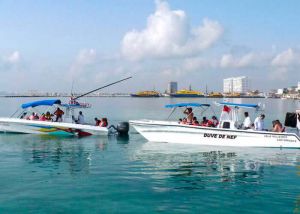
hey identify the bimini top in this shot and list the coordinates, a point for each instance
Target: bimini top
(41, 103)
(186, 105)
(242, 105)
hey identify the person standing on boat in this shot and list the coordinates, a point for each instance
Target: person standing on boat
(214, 121)
(259, 124)
(247, 121)
(58, 113)
(190, 115)
(80, 119)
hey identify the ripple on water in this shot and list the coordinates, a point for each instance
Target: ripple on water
(105, 175)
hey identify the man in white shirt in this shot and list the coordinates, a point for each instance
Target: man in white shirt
(80, 118)
(259, 123)
(247, 121)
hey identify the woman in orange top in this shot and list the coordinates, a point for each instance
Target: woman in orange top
(103, 122)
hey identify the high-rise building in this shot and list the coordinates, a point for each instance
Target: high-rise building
(227, 85)
(236, 85)
(172, 87)
(298, 86)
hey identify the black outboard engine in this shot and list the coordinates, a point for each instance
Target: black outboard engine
(123, 128)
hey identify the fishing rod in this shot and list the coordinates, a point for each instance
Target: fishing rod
(113, 83)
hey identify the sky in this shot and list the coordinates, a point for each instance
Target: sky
(47, 45)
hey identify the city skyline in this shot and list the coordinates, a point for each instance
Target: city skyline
(49, 44)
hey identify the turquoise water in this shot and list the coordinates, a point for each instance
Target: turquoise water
(42, 174)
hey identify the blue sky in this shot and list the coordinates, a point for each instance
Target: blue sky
(94, 42)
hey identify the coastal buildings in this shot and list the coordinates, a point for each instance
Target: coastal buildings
(172, 87)
(236, 85)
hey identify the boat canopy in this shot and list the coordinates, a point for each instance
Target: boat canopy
(186, 105)
(242, 105)
(40, 103)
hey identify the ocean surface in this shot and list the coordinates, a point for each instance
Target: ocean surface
(42, 174)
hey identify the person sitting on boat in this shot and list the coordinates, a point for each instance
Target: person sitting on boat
(277, 126)
(259, 123)
(189, 112)
(215, 121)
(80, 119)
(48, 116)
(36, 116)
(184, 121)
(180, 121)
(247, 121)
(206, 122)
(104, 122)
(194, 120)
(42, 117)
(97, 121)
(196, 123)
(58, 113)
(32, 116)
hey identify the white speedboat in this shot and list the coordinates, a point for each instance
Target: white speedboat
(67, 126)
(226, 133)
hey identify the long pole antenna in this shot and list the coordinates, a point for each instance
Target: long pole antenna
(113, 83)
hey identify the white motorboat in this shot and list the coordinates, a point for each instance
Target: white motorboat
(66, 126)
(227, 133)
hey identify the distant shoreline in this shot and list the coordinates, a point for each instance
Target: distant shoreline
(65, 96)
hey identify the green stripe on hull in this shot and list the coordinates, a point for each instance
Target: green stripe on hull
(61, 133)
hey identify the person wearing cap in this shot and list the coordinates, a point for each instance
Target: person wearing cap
(259, 123)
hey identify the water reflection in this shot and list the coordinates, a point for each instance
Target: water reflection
(193, 167)
(57, 153)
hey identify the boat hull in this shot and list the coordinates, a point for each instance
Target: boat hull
(171, 132)
(13, 125)
(136, 95)
(186, 95)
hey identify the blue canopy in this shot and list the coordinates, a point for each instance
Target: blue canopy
(41, 103)
(186, 105)
(243, 105)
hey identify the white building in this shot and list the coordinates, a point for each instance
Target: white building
(298, 86)
(228, 85)
(172, 87)
(236, 85)
(280, 91)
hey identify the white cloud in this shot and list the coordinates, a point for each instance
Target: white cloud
(198, 63)
(248, 60)
(85, 58)
(284, 64)
(168, 34)
(12, 58)
(227, 61)
(286, 58)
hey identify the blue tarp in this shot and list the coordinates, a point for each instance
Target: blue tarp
(186, 105)
(41, 103)
(243, 105)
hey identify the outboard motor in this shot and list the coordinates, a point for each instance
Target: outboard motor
(123, 128)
